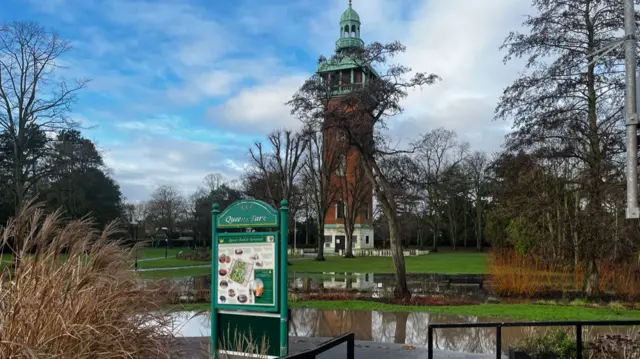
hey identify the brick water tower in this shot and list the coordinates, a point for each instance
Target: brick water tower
(345, 76)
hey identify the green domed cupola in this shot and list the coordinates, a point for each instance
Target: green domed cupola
(345, 74)
(349, 29)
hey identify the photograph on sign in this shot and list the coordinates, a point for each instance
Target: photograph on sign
(247, 270)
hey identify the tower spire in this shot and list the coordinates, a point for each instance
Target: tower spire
(349, 29)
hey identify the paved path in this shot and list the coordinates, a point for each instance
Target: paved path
(172, 268)
(195, 348)
(151, 259)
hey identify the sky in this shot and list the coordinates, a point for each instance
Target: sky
(183, 88)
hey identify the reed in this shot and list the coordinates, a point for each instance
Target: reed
(85, 304)
(529, 276)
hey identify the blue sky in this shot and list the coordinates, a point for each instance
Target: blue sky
(182, 88)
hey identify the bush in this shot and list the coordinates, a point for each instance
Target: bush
(85, 304)
(200, 254)
(558, 344)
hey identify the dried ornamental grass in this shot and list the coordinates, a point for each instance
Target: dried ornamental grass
(71, 294)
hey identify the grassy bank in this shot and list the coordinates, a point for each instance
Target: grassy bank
(448, 263)
(532, 312)
(169, 263)
(175, 273)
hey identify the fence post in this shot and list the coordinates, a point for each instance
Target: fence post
(498, 342)
(579, 341)
(430, 346)
(351, 346)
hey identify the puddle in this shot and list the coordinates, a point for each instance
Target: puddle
(387, 327)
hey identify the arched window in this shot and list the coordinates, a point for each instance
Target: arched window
(346, 31)
(353, 31)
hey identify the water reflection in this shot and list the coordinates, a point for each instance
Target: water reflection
(401, 328)
(467, 286)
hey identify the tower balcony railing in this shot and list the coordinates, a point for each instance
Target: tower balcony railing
(345, 89)
(349, 42)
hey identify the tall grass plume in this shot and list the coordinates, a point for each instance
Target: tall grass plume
(70, 293)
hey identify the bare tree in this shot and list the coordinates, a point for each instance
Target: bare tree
(477, 165)
(320, 164)
(279, 165)
(34, 97)
(213, 181)
(436, 151)
(567, 104)
(359, 113)
(166, 207)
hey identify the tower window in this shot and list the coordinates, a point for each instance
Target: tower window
(353, 31)
(346, 31)
(340, 210)
(342, 166)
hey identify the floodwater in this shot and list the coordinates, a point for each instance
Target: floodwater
(388, 327)
(467, 286)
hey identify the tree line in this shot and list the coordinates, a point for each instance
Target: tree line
(43, 155)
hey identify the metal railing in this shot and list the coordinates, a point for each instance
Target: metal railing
(578, 325)
(312, 353)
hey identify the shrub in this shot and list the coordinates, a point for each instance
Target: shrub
(557, 344)
(84, 304)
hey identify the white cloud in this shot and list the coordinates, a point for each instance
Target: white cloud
(261, 108)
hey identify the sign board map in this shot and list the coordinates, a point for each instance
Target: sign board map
(249, 279)
(247, 271)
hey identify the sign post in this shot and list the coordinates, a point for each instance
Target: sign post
(249, 280)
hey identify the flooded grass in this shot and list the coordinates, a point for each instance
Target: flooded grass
(533, 312)
(446, 263)
(529, 312)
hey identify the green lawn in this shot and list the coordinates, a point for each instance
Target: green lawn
(158, 252)
(532, 312)
(449, 263)
(176, 273)
(170, 262)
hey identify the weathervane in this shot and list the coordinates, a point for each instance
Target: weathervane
(349, 2)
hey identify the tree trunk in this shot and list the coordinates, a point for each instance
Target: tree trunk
(320, 255)
(464, 219)
(478, 223)
(452, 229)
(401, 290)
(385, 198)
(348, 252)
(591, 277)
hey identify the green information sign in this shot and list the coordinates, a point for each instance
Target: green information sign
(248, 214)
(249, 280)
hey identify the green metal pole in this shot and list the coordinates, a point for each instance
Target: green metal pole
(284, 305)
(214, 255)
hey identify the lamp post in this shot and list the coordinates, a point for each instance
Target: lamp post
(295, 236)
(166, 242)
(135, 239)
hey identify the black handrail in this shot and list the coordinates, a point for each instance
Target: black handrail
(312, 353)
(576, 324)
